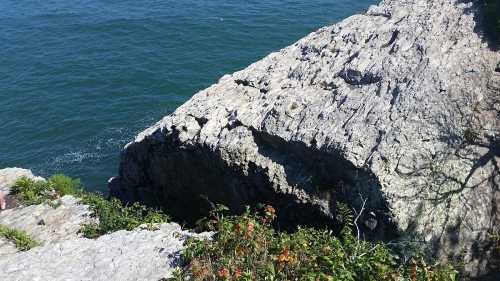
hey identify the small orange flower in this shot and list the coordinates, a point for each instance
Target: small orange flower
(250, 227)
(237, 273)
(269, 209)
(269, 214)
(285, 257)
(223, 273)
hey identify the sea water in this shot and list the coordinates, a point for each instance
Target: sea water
(80, 78)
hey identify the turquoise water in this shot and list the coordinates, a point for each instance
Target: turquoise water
(79, 78)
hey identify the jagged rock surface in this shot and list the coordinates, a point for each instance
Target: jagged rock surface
(141, 254)
(399, 104)
(123, 255)
(44, 223)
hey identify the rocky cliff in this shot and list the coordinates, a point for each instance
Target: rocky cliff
(398, 106)
(63, 254)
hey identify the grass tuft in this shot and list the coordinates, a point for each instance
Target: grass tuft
(20, 238)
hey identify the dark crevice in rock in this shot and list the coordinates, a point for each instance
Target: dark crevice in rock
(395, 95)
(351, 58)
(392, 40)
(350, 118)
(201, 121)
(243, 82)
(381, 134)
(342, 101)
(357, 78)
(247, 83)
(379, 14)
(328, 85)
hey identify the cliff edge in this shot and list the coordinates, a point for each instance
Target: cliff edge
(148, 252)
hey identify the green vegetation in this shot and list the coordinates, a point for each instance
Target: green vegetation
(32, 192)
(470, 135)
(495, 238)
(20, 238)
(246, 247)
(111, 215)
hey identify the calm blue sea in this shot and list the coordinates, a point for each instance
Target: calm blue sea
(79, 78)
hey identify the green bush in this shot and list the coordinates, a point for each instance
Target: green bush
(22, 240)
(246, 247)
(32, 192)
(113, 215)
(64, 185)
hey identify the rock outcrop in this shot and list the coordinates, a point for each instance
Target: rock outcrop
(46, 223)
(141, 254)
(398, 106)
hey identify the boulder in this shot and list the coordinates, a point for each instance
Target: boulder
(397, 107)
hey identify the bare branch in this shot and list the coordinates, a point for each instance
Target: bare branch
(358, 215)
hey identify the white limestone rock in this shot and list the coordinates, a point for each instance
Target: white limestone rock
(141, 254)
(146, 253)
(398, 105)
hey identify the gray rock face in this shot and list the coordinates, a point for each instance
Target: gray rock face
(44, 223)
(141, 254)
(47, 224)
(123, 255)
(398, 106)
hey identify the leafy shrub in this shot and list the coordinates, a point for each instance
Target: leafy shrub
(113, 215)
(246, 247)
(64, 185)
(22, 240)
(32, 192)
